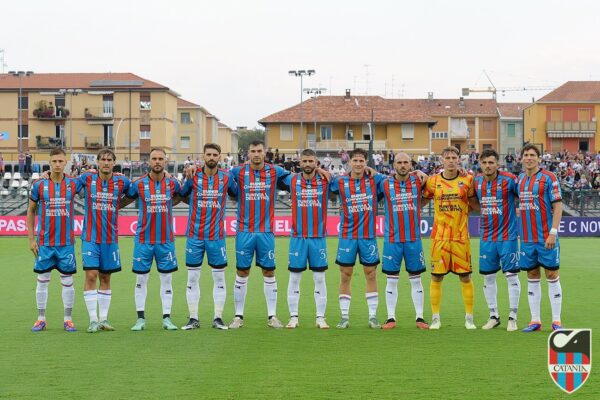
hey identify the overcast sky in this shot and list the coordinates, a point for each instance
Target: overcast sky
(233, 57)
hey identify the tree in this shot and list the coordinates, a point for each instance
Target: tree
(249, 135)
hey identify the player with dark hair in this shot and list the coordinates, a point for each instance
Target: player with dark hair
(100, 236)
(357, 237)
(540, 207)
(497, 198)
(257, 182)
(207, 190)
(309, 195)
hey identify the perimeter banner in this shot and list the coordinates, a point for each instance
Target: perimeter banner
(569, 226)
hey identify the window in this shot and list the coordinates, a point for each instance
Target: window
(145, 103)
(556, 114)
(108, 136)
(583, 115)
(286, 132)
(408, 131)
(59, 101)
(107, 105)
(511, 150)
(510, 130)
(439, 134)
(326, 132)
(366, 132)
(23, 102)
(185, 142)
(144, 131)
(487, 125)
(185, 118)
(24, 131)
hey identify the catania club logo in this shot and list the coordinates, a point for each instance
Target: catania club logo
(570, 357)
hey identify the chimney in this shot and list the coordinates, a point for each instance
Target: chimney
(429, 95)
(461, 102)
(347, 97)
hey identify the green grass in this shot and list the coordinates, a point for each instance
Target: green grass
(257, 362)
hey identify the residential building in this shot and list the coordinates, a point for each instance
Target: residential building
(84, 112)
(511, 127)
(332, 123)
(565, 119)
(416, 126)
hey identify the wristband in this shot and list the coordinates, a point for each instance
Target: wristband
(554, 231)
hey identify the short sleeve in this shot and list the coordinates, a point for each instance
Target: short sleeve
(554, 189)
(186, 188)
(429, 190)
(35, 192)
(334, 187)
(132, 192)
(232, 186)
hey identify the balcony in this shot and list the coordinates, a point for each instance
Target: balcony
(93, 143)
(573, 129)
(47, 112)
(336, 145)
(99, 115)
(47, 143)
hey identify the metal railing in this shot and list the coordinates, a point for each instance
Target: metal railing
(571, 126)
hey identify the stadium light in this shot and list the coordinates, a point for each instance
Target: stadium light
(300, 73)
(20, 75)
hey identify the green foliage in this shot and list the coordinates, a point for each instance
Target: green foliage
(305, 363)
(249, 135)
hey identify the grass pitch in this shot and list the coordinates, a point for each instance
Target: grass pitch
(306, 363)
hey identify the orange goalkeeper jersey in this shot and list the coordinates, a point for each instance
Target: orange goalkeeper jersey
(451, 206)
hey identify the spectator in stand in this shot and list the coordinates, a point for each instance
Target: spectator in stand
(510, 161)
(28, 163)
(344, 158)
(327, 162)
(21, 162)
(1, 164)
(269, 156)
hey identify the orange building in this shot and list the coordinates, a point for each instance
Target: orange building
(565, 119)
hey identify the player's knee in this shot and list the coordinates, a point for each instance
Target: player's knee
(91, 276)
(551, 275)
(534, 273)
(465, 278)
(104, 279)
(243, 273)
(66, 280)
(268, 273)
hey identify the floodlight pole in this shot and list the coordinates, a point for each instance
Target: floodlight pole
(300, 73)
(20, 75)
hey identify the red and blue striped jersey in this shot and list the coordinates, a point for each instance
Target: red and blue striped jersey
(498, 202)
(358, 198)
(155, 210)
(536, 195)
(256, 200)
(402, 200)
(55, 210)
(208, 196)
(309, 205)
(101, 201)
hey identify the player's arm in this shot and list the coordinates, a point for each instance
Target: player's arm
(31, 210)
(129, 196)
(422, 177)
(324, 174)
(232, 187)
(556, 217)
(474, 203)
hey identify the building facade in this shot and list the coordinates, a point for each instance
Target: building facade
(565, 119)
(511, 127)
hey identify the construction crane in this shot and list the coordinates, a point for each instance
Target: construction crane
(494, 90)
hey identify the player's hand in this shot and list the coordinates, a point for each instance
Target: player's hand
(421, 175)
(190, 171)
(462, 172)
(167, 174)
(550, 242)
(45, 175)
(324, 174)
(33, 246)
(370, 171)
